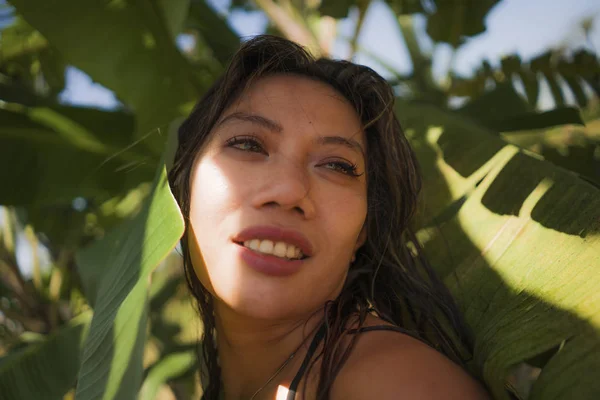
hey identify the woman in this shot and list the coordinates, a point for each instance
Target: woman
(298, 187)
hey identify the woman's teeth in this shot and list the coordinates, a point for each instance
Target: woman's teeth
(279, 249)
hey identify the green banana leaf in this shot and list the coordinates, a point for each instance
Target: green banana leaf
(503, 109)
(170, 367)
(47, 369)
(24, 54)
(19, 40)
(453, 20)
(215, 30)
(127, 47)
(517, 241)
(112, 358)
(52, 154)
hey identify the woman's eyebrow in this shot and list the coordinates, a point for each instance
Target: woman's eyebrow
(350, 143)
(254, 118)
(277, 128)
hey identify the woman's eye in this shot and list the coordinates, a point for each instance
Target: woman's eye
(248, 143)
(345, 168)
(245, 143)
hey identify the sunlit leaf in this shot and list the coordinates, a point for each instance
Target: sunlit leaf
(454, 152)
(575, 148)
(112, 361)
(168, 368)
(20, 39)
(520, 252)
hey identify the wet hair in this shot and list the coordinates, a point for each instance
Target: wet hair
(390, 276)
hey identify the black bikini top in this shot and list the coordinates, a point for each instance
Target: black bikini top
(315, 343)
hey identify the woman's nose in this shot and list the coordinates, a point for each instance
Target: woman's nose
(286, 184)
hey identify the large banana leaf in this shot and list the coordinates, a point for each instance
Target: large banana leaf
(24, 54)
(215, 30)
(127, 47)
(56, 153)
(578, 70)
(20, 39)
(453, 20)
(120, 266)
(519, 249)
(503, 109)
(45, 370)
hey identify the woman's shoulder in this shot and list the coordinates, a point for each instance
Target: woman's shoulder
(387, 364)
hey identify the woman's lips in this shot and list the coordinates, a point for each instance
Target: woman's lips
(268, 264)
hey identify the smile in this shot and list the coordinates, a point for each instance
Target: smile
(278, 249)
(269, 264)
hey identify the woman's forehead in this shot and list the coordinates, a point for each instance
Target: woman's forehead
(292, 87)
(294, 101)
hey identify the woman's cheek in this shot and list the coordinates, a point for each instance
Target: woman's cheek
(209, 201)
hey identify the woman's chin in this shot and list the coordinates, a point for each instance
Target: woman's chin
(253, 294)
(265, 305)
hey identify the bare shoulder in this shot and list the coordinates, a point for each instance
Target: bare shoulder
(391, 365)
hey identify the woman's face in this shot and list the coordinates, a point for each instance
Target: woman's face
(267, 163)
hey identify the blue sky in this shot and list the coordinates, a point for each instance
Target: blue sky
(524, 27)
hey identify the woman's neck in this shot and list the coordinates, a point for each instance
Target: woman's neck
(252, 350)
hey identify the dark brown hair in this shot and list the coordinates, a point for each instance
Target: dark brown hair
(390, 276)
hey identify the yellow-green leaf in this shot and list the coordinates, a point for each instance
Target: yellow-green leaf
(520, 252)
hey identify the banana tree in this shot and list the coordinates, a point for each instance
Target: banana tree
(514, 236)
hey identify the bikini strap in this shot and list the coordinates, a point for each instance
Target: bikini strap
(384, 328)
(312, 348)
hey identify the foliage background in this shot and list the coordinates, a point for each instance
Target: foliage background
(92, 300)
